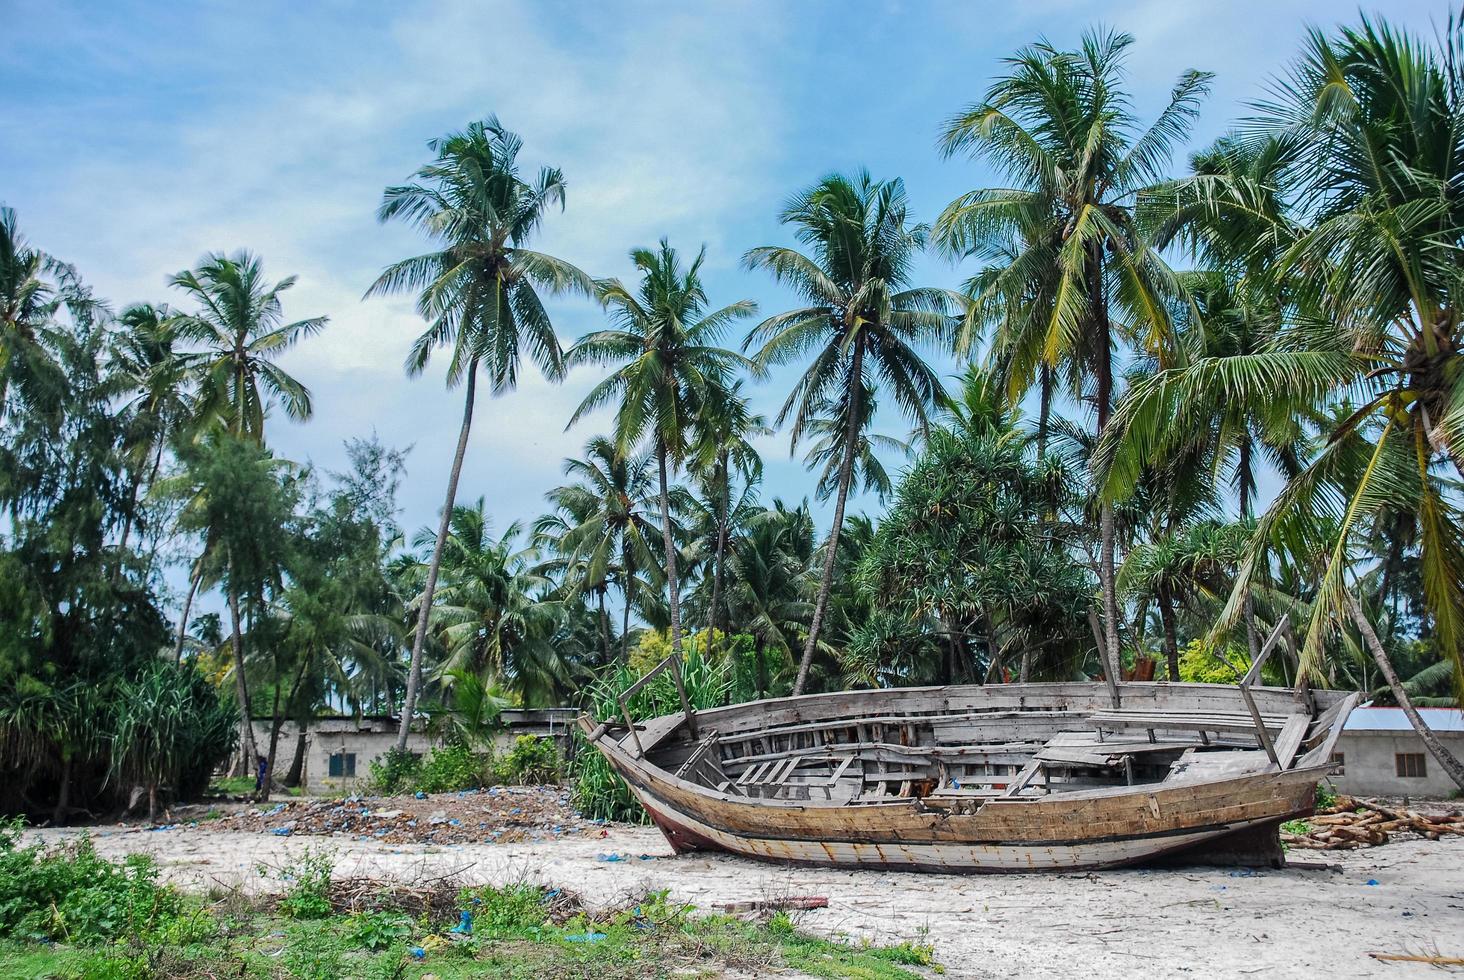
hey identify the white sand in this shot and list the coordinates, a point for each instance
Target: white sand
(1199, 922)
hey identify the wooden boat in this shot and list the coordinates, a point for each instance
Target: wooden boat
(993, 778)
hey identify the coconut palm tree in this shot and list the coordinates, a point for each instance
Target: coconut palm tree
(1175, 570)
(863, 320)
(493, 615)
(241, 499)
(27, 303)
(479, 291)
(826, 452)
(1075, 268)
(669, 371)
(1369, 125)
(601, 526)
(724, 450)
(238, 322)
(770, 583)
(160, 405)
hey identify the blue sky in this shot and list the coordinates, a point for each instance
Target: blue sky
(134, 138)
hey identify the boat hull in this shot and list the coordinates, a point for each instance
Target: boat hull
(1059, 834)
(1221, 805)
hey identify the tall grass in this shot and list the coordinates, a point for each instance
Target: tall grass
(598, 791)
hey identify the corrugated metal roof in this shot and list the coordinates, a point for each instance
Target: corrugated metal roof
(1394, 720)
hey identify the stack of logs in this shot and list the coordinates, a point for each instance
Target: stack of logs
(1351, 823)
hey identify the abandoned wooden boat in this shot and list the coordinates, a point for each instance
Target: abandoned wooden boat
(1002, 777)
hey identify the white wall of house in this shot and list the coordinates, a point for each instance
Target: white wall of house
(1383, 756)
(356, 743)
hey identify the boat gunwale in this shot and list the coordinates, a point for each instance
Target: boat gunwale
(654, 774)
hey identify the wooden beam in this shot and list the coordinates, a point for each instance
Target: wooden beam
(1023, 778)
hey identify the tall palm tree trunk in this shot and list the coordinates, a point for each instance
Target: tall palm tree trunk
(1044, 412)
(296, 774)
(1245, 478)
(718, 561)
(1106, 573)
(604, 625)
(846, 471)
(187, 608)
(1445, 758)
(277, 720)
(249, 752)
(419, 638)
(625, 626)
(1171, 633)
(673, 591)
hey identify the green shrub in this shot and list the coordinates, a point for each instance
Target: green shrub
(598, 792)
(395, 771)
(377, 930)
(500, 913)
(446, 769)
(72, 894)
(307, 882)
(532, 761)
(450, 768)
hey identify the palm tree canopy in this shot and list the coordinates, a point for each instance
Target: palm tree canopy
(666, 342)
(479, 291)
(1060, 127)
(240, 324)
(854, 275)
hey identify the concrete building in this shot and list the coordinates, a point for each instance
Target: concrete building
(1381, 755)
(339, 751)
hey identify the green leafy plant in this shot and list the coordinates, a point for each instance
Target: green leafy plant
(598, 792)
(377, 930)
(450, 768)
(532, 761)
(395, 771)
(72, 894)
(307, 882)
(507, 911)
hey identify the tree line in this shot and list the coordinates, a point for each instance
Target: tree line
(1144, 346)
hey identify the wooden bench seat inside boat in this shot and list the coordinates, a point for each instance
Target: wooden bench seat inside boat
(1088, 749)
(1239, 723)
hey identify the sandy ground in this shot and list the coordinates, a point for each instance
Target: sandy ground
(1406, 897)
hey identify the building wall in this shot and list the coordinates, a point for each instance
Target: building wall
(326, 738)
(372, 738)
(1370, 764)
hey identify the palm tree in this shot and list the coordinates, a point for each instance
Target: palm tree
(826, 452)
(862, 321)
(1175, 570)
(670, 370)
(726, 427)
(601, 528)
(238, 322)
(240, 498)
(479, 291)
(27, 302)
(493, 614)
(769, 572)
(1058, 124)
(161, 405)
